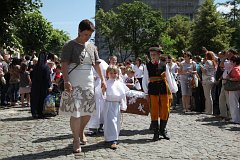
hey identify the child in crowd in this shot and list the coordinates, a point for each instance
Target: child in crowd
(24, 84)
(58, 74)
(115, 103)
(123, 75)
(131, 81)
(156, 86)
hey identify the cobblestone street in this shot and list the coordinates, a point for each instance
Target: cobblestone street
(193, 136)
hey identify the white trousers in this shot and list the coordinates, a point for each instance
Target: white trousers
(224, 102)
(234, 106)
(207, 88)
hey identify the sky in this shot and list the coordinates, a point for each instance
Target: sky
(66, 14)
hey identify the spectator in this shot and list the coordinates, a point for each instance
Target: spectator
(41, 82)
(25, 83)
(234, 96)
(138, 68)
(208, 79)
(187, 68)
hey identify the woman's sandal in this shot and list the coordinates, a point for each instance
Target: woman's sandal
(83, 141)
(76, 147)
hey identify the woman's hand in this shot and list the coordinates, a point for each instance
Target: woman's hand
(103, 86)
(67, 86)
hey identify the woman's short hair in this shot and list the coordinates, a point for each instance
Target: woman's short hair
(139, 59)
(189, 54)
(233, 51)
(86, 25)
(235, 59)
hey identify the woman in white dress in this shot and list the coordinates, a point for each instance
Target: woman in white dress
(78, 56)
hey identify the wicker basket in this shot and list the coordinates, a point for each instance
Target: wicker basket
(137, 106)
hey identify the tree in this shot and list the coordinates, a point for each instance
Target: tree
(9, 11)
(168, 44)
(57, 40)
(34, 31)
(179, 29)
(210, 29)
(234, 20)
(131, 28)
(106, 23)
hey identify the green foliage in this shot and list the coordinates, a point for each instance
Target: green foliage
(167, 43)
(107, 24)
(9, 11)
(34, 31)
(179, 29)
(57, 40)
(210, 29)
(131, 29)
(234, 20)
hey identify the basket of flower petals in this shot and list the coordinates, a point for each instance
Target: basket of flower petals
(137, 103)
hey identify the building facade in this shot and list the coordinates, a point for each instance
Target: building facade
(169, 8)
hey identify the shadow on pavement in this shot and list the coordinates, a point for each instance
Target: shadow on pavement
(44, 155)
(94, 147)
(125, 132)
(215, 121)
(136, 141)
(105, 145)
(234, 129)
(18, 119)
(47, 139)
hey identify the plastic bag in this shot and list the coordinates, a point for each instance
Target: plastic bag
(49, 105)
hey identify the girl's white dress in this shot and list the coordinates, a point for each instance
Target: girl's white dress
(114, 103)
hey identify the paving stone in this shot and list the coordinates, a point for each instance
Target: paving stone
(193, 136)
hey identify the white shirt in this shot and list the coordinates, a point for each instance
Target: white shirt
(138, 71)
(227, 68)
(173, 68)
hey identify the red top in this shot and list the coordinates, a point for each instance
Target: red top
(235, 72)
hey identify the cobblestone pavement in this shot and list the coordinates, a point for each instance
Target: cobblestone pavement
(193, 136)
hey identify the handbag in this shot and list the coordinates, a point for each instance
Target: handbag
(61, 81)
(193, 81)
(232, 85)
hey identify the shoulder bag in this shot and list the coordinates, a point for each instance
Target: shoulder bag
(61, 81)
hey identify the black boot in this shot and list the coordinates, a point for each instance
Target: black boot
(163, 131)
(156, 130)
(100, 129)
(151, 127)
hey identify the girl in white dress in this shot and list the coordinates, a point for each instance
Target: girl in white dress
(114, 104)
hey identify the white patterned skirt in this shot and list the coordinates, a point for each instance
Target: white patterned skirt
(80, 102)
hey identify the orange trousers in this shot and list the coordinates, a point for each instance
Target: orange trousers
(159, 107)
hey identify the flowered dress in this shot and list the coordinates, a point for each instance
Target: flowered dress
(80, 102)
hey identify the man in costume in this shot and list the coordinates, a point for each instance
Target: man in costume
(156, 86)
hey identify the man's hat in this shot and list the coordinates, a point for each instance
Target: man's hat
(157, 49)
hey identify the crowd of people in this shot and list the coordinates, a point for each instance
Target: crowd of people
(95, 91)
